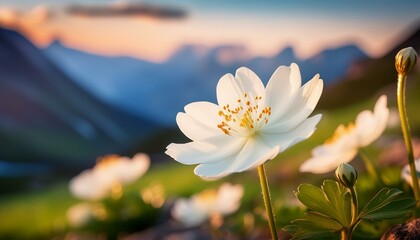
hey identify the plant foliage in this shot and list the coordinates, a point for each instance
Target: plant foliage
(329, 210)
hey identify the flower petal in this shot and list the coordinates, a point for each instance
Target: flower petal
(282, 88)
(251, 82)
(186, 212)
(328, 156)
(256, 151)
(214, 170)
(287, 139)
(88, 186)
(204, 112)
(369, 126)
(253, 154)
(228, 198)
(132, 169)
(80, 214)
(328, 162)
(199, 121)
(209, 150)
(299, 109)
(230, 89)
(406, 172)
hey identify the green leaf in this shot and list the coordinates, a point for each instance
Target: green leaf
(340, 200)
(382, 198)
(313, 227)
(311, 234)
(323, 222)
(331, 200)
(394, 209)
(385, 205)
(312, 197)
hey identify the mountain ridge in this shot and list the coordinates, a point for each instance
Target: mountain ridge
(189, 75)
(44, 115)
(369, 76)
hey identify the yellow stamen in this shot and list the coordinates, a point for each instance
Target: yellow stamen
(243, 120)
(339, 132)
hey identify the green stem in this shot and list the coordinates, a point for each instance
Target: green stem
(407, 135)
(354, 205)
(345, 235)
(371, 167)
(267, 201)
(353, 226)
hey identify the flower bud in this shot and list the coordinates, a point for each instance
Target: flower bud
(346, 175)
(405, 60)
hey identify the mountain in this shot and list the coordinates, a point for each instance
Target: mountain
(160, 90)
(367, 77)
(46, 116)
(331, 64)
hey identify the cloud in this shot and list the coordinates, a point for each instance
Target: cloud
(126, 10)
(34, 23)
(8, 16)
(35, 16)
(40, 14)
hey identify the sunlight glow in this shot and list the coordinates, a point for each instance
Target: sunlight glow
(157, 39)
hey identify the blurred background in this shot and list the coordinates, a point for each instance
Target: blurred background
(81, 79)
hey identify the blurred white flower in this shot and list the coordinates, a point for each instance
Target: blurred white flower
(202, 206)
(394, 118)
(406, 173)
(251, 123)
(108, 175)
(123, 169)
(79, 214)
(343, 146)
(87, 185)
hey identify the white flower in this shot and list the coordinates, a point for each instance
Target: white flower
(123, 169)
(251, 123)
(393, 118)
(343, 146)
(79, 214)
(406, 173)
(88, 185)
(110, 171)
(200, 207)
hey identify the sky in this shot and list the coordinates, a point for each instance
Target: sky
(262, 27)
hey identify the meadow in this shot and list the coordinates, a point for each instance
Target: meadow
(42, 214)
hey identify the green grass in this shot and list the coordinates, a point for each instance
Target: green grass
(34, 214)
(41, 214)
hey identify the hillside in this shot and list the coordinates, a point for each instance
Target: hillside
(367, 77)
(46, 117)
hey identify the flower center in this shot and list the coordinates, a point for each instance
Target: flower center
(245, 118)
(340, 132)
